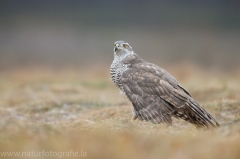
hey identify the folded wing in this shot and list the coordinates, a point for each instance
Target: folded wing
(156, 96)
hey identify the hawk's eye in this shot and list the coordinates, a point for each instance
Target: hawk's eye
(124, 45)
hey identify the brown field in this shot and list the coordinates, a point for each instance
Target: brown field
(46, 110)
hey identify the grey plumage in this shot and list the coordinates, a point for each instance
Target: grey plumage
(156, 96)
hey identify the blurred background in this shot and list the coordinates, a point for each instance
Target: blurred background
(81, 33)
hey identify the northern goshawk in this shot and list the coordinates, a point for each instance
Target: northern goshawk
(156, 96)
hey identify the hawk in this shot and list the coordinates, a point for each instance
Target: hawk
(156, 96)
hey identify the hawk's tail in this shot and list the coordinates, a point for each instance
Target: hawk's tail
(196, 115)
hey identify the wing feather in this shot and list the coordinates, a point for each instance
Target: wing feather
(156, 96)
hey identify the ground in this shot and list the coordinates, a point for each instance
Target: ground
(70, 113)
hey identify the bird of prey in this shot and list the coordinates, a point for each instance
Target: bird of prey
(156, 96)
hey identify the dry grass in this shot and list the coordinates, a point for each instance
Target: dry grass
(59, 111)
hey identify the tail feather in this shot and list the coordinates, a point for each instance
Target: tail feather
(196, 115)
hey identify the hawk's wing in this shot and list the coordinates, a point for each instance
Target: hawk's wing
(156, 96)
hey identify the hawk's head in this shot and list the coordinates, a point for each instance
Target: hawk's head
(122, 49)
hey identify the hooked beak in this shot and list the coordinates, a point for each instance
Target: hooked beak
(116, 49)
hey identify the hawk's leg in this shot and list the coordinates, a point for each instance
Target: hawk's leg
(134, 117)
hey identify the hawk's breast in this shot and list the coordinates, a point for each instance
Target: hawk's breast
(116, 71)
